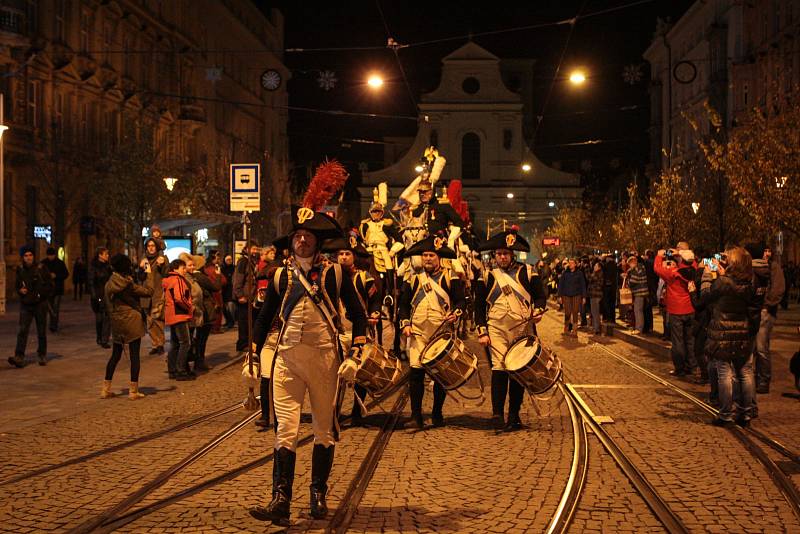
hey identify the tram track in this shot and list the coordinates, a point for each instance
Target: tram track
(123, 445)
(121, 514)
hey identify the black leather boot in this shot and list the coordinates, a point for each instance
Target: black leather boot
(439, 395)
(499, 391)
(515, 395)
(263, 421)
(278, 511)
(321, 463)
(416, 389)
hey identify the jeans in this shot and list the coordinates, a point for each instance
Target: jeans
(77, 290)
(102, 325)
(178, 355)
(610, 303)
(763, 359)
(682, 342)
(648, 315)
(735, 380)
(665, 319)
(53, 310)
(572, 310)
(116, 355)
(594, 302)
(241, 318)
(28, 313)
(229, 310)
(638, 312)
(200, 339)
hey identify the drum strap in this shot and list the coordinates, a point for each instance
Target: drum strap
(436, 295)
(521, 303)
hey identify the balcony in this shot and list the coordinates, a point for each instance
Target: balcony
(192, 117)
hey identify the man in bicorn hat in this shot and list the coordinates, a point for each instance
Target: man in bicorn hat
(305, 298)
(428, 299)
(505, 300)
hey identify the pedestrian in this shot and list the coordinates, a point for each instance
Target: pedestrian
(572, 293)
(34, 286)
(213, 271)
(679, 306)
(99, 273)
(178, 311)
(229, 304)
(204, 308)
(128, 320)
(610, 279)
(244, 288)
(596, 294)
(59, 273)
(770, 286)
(79, 275)
(637, 282)
(152, 269)
(652, 285)
(730, 296)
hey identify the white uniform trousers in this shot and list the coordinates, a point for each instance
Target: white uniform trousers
(422, 332)
(298, 369)
(502, 333)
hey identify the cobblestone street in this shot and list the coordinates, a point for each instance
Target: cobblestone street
(463, 477)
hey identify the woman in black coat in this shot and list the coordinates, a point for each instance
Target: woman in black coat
(730, 298)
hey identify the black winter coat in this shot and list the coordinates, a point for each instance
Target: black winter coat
(37, 281)
(735, 317)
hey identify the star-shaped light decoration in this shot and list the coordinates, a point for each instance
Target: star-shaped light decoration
(213, 74)
(327, 80)
(632, 74)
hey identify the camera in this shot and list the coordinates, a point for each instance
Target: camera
(670, 254)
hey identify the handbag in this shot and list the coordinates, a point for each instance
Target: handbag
(625, 294)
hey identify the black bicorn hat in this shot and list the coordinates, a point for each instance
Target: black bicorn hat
(433, 243)
(351, 242)
(508, 239)
(322, 225)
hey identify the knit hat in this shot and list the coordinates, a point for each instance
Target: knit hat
(24, 249)
(120, 263)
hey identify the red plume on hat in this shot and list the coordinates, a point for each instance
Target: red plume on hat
(329, 178)
(454, 194)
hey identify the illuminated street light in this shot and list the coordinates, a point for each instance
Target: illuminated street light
(526, 167)
(169, 181)
(419, 168)
(695, 207)
(375, 81)
(551, 204)
(509, 195)
(780, 182)
(647, 221)
(577, 77)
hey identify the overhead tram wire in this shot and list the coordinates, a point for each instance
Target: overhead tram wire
(393, 46)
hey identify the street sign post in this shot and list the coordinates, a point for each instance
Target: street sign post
(551, 241)
(245, 193)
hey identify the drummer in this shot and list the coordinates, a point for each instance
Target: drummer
(368, 296)
(505, 302)
(428, 299)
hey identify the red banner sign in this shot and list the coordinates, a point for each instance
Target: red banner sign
(551, 241)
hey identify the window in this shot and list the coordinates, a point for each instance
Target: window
(746, 95)
(60, 16)
(471, 85)
(126, 56)
(84, 123)
(86, 18)
(107, 41)
(507, 139)
(33, 103)
(434, 139)
(58, 116)
(470, 157)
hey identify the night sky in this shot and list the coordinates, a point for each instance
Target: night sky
(603, 44)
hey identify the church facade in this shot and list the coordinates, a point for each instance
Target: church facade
(477, 123)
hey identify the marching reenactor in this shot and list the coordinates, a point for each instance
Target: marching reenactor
(368, 297)
(428, 299)
(306, 297)
(381, 237)
(506, 301)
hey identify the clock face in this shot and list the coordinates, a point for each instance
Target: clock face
(270, 80)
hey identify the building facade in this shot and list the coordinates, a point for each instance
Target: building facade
(181, 80)
(479, 125)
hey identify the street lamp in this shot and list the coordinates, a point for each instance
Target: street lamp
(647, 221)
(577, 77)
(509, 195)
(170, 182)
(375, 81)
(526, 167)
(551, 204)
(419, 168)
(695, 207)
(3, 128)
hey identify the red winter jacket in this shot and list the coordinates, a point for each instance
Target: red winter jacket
(178, 306)
(677, 299)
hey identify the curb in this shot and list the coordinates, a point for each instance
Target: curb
(642, 342)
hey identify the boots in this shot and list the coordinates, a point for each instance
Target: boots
(439, 395)
(278, 511)
(499, 392)
(263, 421)
(106, 392)
(321, 463)
(133, 393)
(17, 361)
(416, 387)
(515, 395)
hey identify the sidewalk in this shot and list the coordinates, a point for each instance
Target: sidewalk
(70, 383)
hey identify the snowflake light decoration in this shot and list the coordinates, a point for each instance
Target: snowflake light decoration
(632, 74)
(327, 80)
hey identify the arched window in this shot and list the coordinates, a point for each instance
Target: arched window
(470, 157)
